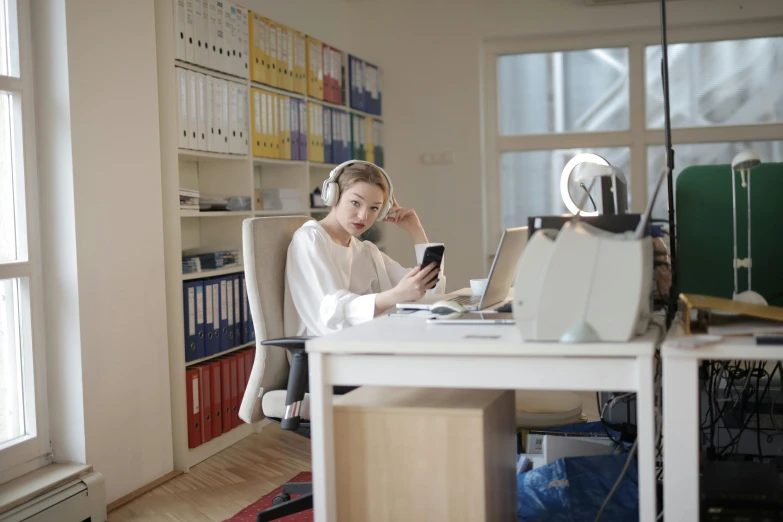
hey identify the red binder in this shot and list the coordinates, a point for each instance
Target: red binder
(193, 394)
(249, 357)
(234, 418)
(225, 393)
(217, 406)
(206, 405)
(241, 381)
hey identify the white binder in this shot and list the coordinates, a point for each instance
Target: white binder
(190, 24)
(179, 29)
(192, 110)
(217, 114)
(243, 49)
(201, 110)
(210, 124)
(182, 108)
(224, 117)
(242, 113)
(233, 126)
(216, 56)
(201, 32)
(229, 36)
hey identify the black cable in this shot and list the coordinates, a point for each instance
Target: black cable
(746, 421)
(758, 415)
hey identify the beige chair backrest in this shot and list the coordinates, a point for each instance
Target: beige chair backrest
(265, 246)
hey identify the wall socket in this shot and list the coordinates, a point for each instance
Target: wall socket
(437, 158)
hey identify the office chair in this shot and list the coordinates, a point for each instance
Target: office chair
(265, 245)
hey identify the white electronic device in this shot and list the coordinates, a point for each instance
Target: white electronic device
(583, 284)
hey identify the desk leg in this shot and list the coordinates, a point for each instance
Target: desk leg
(680, 439)
(645, 418)
(322, 442)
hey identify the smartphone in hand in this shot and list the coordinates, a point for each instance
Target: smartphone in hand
(433, 254)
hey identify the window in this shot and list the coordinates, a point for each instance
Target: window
(584, 91)
(549, 98)
(23, 415)
(733, 82)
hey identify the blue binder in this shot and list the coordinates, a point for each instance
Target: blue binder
(371, 104)
(192, 296)
(245, 310)
(225, 338)
(357, 82)
(212, 317)
(327, 134)
(338, 145)
(237, 310)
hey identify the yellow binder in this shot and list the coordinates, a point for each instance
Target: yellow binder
(369, 147)
(300, 63)
(315, 70)
(276, 118)
(272, 51)
(255, 52)
(289, 83)
(285, 128)
(268, 133)
(287, 58)
(315, 148)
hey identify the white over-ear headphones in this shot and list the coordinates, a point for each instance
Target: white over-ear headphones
(330, 191)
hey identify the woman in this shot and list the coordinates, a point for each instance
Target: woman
(334, 280)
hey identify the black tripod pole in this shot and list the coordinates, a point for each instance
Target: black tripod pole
(673, 292)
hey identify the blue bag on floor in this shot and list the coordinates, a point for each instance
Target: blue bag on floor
(573, 489)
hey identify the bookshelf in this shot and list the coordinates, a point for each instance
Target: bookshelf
(227, 173)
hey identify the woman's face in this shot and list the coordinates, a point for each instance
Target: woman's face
(359, 207)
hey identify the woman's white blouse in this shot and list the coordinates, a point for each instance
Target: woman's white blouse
(330, 287)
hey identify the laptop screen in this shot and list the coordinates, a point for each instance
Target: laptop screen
(504, 266)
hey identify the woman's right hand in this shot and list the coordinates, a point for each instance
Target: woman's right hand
(417, 282)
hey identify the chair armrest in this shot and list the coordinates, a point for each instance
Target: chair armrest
(297, 378)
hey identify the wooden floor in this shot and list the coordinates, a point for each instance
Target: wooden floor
(224, 484)
(233, 479)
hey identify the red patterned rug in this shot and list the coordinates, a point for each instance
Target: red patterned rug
(249, 513)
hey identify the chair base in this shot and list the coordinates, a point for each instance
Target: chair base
(289, 507)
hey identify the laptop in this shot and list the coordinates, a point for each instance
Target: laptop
(475, 318)
(501, 276)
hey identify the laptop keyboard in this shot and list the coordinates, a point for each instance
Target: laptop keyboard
(466, 299)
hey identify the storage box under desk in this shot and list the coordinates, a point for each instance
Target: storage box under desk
(425, 454)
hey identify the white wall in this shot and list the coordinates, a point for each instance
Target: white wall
(111, 197)
(430, 52)
(58, 228)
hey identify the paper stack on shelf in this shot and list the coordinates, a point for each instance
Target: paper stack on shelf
(198, 260)
(188, 199)
(281, 199)
(211, 203)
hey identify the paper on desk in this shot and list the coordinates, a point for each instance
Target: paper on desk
(745, 327)
(411, 313)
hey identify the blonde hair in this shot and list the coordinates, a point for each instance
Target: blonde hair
(356, 172)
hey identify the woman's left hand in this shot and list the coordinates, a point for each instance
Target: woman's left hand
(403, 217)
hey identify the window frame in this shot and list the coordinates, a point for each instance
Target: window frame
(638, 137)
(29, 452)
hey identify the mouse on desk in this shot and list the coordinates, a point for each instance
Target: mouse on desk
(447, 309)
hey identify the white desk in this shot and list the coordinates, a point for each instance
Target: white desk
(682, 421)
(406, 351)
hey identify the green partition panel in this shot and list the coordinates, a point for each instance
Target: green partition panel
(703, 206)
